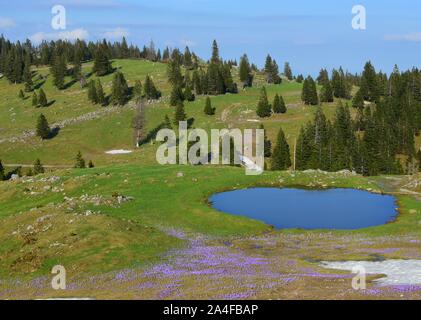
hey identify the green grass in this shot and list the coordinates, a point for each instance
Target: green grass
(161, 201)
(113, 131)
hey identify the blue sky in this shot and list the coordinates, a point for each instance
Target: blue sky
(309, 34)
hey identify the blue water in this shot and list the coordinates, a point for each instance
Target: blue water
(308, 209)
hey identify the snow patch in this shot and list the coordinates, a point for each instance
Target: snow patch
(120, 151)
(398, 272)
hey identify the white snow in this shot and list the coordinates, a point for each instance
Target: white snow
(397, 271)
(120, 151)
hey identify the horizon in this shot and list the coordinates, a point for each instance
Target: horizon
(297, 33)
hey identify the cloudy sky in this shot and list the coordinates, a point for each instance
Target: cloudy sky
(309, 34)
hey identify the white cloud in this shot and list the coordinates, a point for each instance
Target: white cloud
(117, 33)
(64, 35)
(412, 37)
(6, 23)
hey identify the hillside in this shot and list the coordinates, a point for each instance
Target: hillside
(110, 127)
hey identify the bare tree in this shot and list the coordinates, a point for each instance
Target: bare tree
(139, 123)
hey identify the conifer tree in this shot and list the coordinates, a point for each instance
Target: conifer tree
(42, 98)
(263, 106)
(279, 104)
(58, 70)
(21, 95)
(43, 129)
(34, 99)
(309, 93)
(92, 94)
(101, 99)
(358, 100)
(323, 77)
(208, 107)
(188, 94)
(80, 162)
(187, 58)
(102, 65)
(371, 90)
(215, 53)
(245, 72)
(267, 146)
(119, 89)
(174, 74)
(91, 164)
(27, 76)
(272, 71)
(288, 71)
(281, 159)
(137, 90)
(38, 168)
(150, 91)
(176, 95)
(326, 93)
(179, 114)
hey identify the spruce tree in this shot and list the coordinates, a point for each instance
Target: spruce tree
(279, 104)
(176, 95)
(58, 71)
(281, 158)
(27, 76)
(150, 91)
(102, 65)
(42, 98)
(267, 146)
(119, 89)
(137, 90)
(245, 72)
(100, 95)
(80, 162)
(38, 168)
(263, 106)
(91, 164)
(21, 95)
(326, 93)
(92, 95)
(188, 94)
(187, 58)
(215, 53)
(208, 107)
(34, 99)
(358, 100)
(288, 71)
(179, 114)
(43, 129)
(309, 93)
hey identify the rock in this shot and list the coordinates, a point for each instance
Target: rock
(43, 218)
(412, 211)
(180, 174)
(47, 188)
(14, 177)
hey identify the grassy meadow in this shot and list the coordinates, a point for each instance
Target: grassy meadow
(130, 228)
